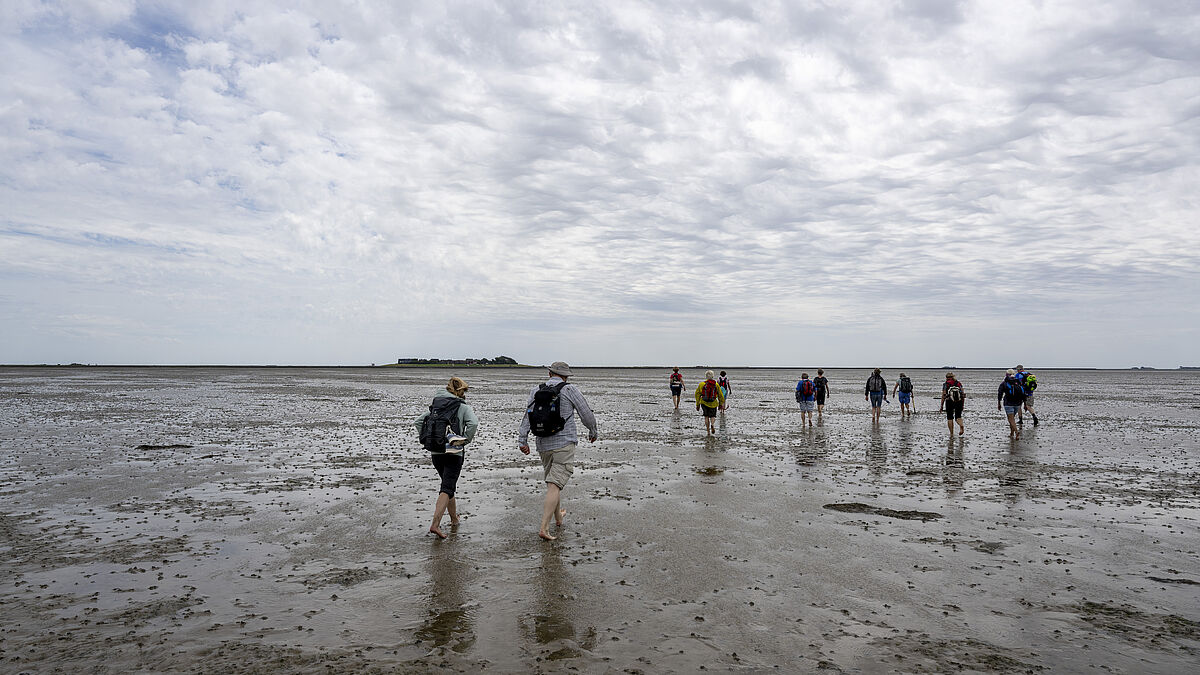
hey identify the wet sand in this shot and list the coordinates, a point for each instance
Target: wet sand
(254, 520)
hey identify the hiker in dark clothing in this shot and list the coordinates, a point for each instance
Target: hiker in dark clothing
(448, 457)
(954, 399)
(1012, 395)
(876, 393)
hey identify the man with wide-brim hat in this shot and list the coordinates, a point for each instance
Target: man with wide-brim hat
(550, 414)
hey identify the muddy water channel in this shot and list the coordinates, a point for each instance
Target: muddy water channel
(273, 520)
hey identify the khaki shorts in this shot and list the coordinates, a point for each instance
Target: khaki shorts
(559, 465)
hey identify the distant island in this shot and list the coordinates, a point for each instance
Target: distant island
(498, 361)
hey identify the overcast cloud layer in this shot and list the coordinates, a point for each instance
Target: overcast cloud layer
(774, 183)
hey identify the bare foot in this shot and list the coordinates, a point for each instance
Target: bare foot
(437, 531)
(558, 520)
(544, 535)
(455, 521)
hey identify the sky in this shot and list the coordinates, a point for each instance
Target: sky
(906, 183)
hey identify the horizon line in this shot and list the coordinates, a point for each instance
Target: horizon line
(527, 366)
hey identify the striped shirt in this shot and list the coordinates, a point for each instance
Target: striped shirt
(570, 401)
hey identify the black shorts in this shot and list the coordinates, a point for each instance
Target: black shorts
(954, 410)
(820, 398)
(708, 412)
(448, 467)
(676, 390)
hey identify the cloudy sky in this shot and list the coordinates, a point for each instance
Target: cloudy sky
(907, 183)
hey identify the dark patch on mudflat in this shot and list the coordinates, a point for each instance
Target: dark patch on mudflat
(855, 507)
(1164, 580)
(173, 446)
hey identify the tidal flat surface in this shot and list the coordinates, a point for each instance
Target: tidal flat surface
(273, 520)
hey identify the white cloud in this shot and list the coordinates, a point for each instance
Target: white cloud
(848, 179)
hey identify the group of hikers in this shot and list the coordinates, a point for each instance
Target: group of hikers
(550, 412)
(1014, 396)
(552, 406)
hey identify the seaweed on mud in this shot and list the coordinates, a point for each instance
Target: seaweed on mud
(1165, 580)
(131, 550)
(173, 446)
(61, 545)
(856, 507)
(958, 655)
(989, 547)
(143, 613)
(239, 656)
(1133, 625)
(339, 577)
(189, 505)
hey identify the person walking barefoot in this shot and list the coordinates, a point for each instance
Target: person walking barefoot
(452, 424)
(709, 399)
(954, 399)
(822, 385)
(806, 396)
(905, 388)
(676, 386)
(876, 393)
(550, 413)
(1012, 396)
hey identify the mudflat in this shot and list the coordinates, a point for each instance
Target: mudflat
(273, 520)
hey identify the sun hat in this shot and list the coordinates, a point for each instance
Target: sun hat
(1010, 371)
(561, 369)
(708, 375)
(457, 386)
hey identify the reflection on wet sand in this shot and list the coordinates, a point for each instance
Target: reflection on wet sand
(904, 431)
(551, 627)
(954, 477)
(877, 451)
(813, 445)
(451, 620)
(1015, 470)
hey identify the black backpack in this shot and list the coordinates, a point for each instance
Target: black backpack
(906, 385)
(876, 384)
(443, 412)
(954, 393)
(544, 417)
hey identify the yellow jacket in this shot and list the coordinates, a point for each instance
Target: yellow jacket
(710, 404)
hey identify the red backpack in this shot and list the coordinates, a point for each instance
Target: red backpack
(806, 388)
(709, 392)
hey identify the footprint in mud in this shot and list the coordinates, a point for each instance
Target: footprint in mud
(856, 507)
